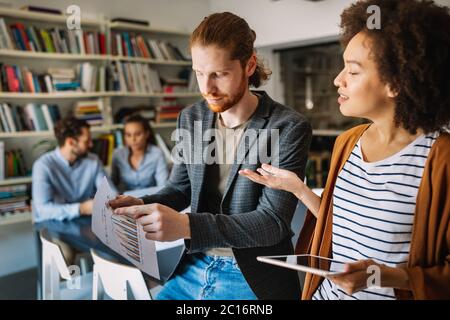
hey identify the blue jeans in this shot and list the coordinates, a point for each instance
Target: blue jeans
(201, 277)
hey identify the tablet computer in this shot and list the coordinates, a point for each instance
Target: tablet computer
(306, 263)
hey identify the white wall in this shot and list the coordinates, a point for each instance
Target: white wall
(173, 14)
(287, 23)
(277, 23)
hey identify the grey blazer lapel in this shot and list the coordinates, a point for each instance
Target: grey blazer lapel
(198, 170)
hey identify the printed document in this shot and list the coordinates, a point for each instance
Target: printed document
(122, 234)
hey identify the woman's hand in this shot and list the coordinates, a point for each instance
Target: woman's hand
(363, 274)
(280, 179)
(274, 178)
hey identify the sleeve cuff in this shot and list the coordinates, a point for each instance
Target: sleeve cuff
(73, 211)
(204, 233)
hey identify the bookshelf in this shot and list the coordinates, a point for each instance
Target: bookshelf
(111, 99)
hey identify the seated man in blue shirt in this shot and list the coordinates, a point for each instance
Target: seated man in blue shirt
(65, 180)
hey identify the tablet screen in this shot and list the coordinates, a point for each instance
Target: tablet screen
(307, 263)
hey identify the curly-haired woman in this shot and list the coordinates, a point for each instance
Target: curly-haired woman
(387, 198)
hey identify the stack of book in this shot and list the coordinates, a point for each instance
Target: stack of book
(64, 79)
(135, 21)
(135, 45)
(91, 77)
(31, 117)
(41, 9)
(90, 111)
(317, 168)
(14, 199)
(148, 112)
(168, 112)
(12, 163)
(175, 85)
(17, 36)
(86, 77)
(135, 77)
(20, 79)
(105, 144)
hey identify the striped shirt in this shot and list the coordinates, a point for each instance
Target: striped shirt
(373, 212)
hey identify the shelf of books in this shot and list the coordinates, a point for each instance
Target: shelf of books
(106, 70)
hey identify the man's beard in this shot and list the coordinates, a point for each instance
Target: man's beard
(79, 154)
(228, 102)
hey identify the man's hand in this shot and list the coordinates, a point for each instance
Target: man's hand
(159, 222)
(86, 207)
(125, 201)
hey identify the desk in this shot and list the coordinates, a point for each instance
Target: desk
(78, 234)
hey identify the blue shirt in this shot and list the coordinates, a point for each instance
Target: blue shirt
(58, 188)
(152, 170)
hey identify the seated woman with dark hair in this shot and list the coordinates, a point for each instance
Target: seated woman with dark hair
(386, 203)
(140, 164)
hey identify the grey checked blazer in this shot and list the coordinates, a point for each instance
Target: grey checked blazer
(254, 220)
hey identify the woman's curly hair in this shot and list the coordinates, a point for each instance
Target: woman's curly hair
(412, 53)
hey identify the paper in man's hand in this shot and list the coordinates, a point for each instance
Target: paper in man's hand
(122, 234)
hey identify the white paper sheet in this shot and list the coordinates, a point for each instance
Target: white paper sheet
(122, 234)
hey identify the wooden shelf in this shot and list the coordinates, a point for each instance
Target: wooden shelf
(105, 128)
(155, 95)
(152, 61)
(14, 181)
(28, 134)
(163, 125)
(77, 95)
(17, 217)
(46, 17)
(25, 134)
(53, 95)
(135, 27)
(56, 56)
(87, 57)
(327, 133)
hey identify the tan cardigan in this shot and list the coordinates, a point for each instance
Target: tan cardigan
(429, 258)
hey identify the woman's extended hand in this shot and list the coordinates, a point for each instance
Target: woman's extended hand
(286, 180)
(274, 178)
